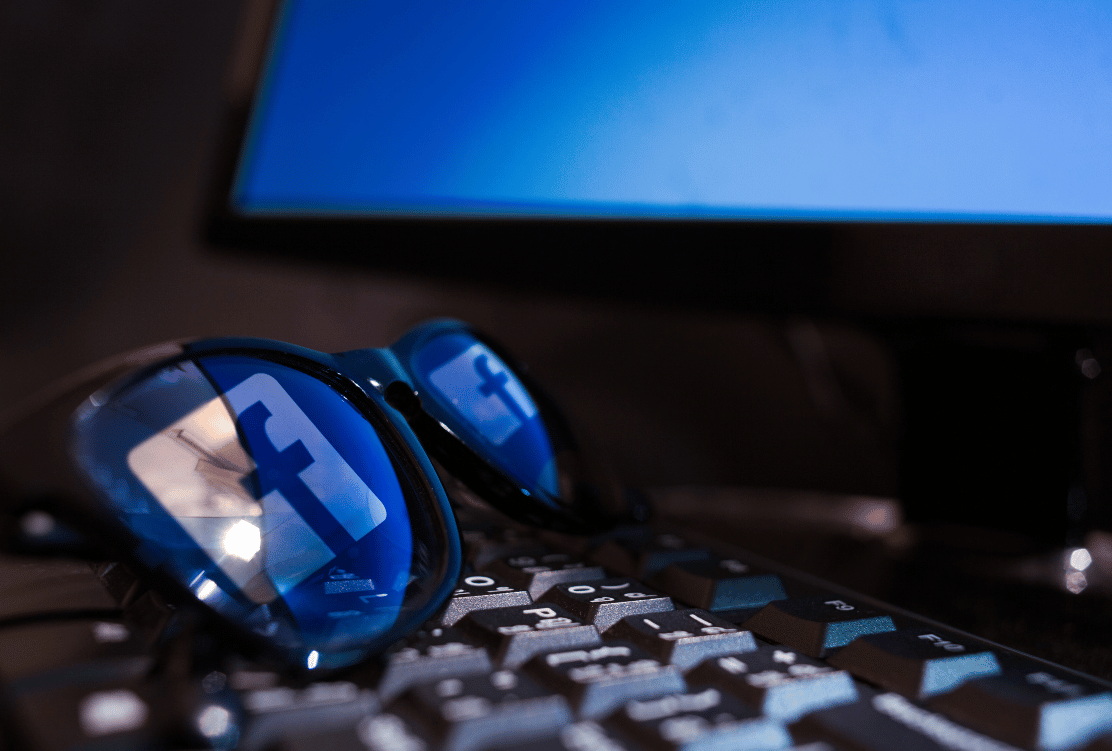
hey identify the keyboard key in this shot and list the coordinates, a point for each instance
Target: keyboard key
(282, 712)
(600, 679)
(481, 592)
(91, 713)
(886, 721)
(606, 601)
(36, 587)
(64, 717)
(581, 736)
(782, 683)
(683, 638)
(122, 585)
(703, 719)
(916, 662)
(385, 732)
(641, 555)
(429, 656)
(484, 548)
(539, 573)
(379, 732)
(107, 646)
(483, 710)
(1032, 707)
(817, 625)
(516, 634)
(724, 584)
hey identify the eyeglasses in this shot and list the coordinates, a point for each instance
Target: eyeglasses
(294, 493)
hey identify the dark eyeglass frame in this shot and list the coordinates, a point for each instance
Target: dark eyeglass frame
(380, 385)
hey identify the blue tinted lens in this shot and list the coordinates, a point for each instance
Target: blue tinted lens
(262, 490)
(479, 397)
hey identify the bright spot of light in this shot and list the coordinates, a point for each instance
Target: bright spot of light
(105, 712)
(1076, 582)
(106, 633)
(1080, 559)
(874, 516)
(213, 721)
(314, 658)
(37, 523)
(207, 589)
(243, 540)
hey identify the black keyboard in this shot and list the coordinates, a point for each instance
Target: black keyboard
(640, 639)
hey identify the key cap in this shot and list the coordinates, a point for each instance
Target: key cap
(283, 712)
(428, 656)
(481, 592)
(782, 683)
(725, 584)
(54, 651)
(503, 707)
(642, 555)
(90, 713)
(703, 719)
(539, 573)
(817, 625)
(36, 587)
(581, 736)
(606, 601)
(916, 662)
(599, 679)
(516, 634)
(683, 638)
(118, 580)
(886, 721)
(68, 716)
(484, 548)
(1032, 706)
(379, 732)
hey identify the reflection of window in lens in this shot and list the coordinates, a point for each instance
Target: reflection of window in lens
(195, 466)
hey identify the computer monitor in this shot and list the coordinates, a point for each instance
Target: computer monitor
(636, 125)
(715, 153)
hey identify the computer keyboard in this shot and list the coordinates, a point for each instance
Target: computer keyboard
(645, 638)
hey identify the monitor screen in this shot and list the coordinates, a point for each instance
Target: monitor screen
(819, 110)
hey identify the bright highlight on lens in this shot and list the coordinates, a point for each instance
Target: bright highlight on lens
(243, 540)
(207, 589)
(313, 660)
(1080, 559)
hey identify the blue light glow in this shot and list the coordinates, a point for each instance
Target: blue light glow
(890, 110)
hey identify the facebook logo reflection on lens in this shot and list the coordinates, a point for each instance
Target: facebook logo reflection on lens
(485, 393)
(489, 399)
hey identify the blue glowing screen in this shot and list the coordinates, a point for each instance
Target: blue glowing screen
(476, 395)
(262, 490)
(657, 108)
